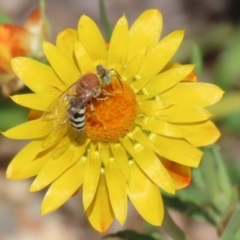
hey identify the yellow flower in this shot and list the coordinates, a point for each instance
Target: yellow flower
(142, 138)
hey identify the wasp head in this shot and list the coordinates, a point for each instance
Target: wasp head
(104, 74)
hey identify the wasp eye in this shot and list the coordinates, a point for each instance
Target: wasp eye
(99, 68)
(106, 80)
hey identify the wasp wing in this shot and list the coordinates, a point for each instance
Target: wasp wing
(77, 102)
(57, 110)
(66, 104)
(60, 104)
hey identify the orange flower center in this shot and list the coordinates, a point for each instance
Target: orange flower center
(112, 118)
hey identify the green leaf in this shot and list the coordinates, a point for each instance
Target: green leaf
(216, 180)
(129, 235)
(204, 198)
(171, 228)
(4, 18)
(189, 208)
(194, 195)
(197, 179)
(106, 25)
(210, 42)
(234, 170)
(232, 231)
(197, 59)
(227, 70)
(11, 113)
(231, 122)
(158, 236)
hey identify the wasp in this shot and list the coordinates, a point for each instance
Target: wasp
(75, 98)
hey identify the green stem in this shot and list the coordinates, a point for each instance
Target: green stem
(45, 19)
(106, 25)
(172, 229)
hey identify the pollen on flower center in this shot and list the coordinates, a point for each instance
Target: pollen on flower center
(113, 118)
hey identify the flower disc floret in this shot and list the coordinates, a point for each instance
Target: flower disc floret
(115, 117)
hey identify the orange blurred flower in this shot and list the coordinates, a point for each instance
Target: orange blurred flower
(19, 41)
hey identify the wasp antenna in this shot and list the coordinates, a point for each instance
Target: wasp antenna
(120, 83)
(118, 77)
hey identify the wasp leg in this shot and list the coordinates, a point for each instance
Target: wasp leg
(94, 114)
(101, 99)
(107, 93)
(91, 107)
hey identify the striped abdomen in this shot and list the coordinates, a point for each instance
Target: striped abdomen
(78, 120)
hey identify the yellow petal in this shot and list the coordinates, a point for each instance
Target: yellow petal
(201, 134)
(163, 128)
(65, 42)
(182, 114)
(104, 153)
(140, 84)
(85, 63)
(117, 190)
(37, 76)
(63, 145)
(121, 159)
(193, 94)
(63, 187)
(145, 32)
(100, 212)
(137, 135)
(33, 167)
(34, 114)
(23, 158)
(177, 150)
(127, 144)
(149, 163)
(91, 39)
(34, 101)
(143, 97)
(145, 196)
(180, 174)
(166, 80)
(170, 65)
(153, 168)
(133, 66)
(118, 47)
(64, 67)
(54, 136)
(29, 130)
(60, 165)
(227, 106)
(161, 54)
(191, 77)
(155, 105)
(91, 176)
